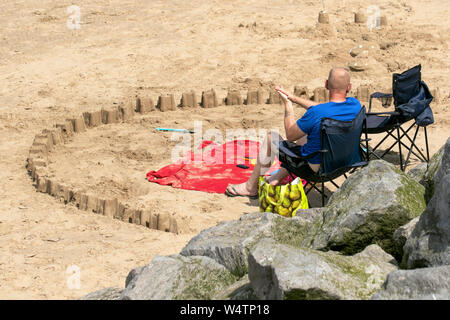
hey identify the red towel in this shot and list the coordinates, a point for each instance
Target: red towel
(215, 170)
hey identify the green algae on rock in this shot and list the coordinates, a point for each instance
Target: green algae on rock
(178, 277)
(279, 271)
(368, 208)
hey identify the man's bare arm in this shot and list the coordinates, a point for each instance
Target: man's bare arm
(305, 103)
(293, 132)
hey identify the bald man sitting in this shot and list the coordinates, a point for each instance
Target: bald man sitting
(303, 135)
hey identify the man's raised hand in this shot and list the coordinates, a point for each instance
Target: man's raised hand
(283, 93)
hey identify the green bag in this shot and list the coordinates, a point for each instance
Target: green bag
(284, 200)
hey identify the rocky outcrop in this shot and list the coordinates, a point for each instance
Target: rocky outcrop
(426, 174)
(229, 242)
(371, 205)
(426, 284)
(419, 172)
(278, 271)
(401, 235)
(444, 166)
(112, 293)
(428, 244)
(132, 274)
(240, 290)
(368, 208)
(433, 166)
(177, 277)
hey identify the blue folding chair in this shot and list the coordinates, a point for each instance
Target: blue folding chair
(341, 152)
(412, 100)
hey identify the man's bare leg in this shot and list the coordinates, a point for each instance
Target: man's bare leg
(277, 177)
(264, 161)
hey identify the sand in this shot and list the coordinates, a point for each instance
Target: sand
(125, 49)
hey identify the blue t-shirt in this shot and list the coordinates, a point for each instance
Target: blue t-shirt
(310, 122)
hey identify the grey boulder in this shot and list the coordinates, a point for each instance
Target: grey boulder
(240, 290)
(418, 284)
(428, 244)
(367, 209)
(228, 243)
(132, 274)
(419, 172)
(433, 166)
(279, 271)
(444, 164)
(401, 235)
(177, 277)
(111, 293)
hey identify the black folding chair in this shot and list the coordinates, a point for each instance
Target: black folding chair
(340, 153)
(412, 100)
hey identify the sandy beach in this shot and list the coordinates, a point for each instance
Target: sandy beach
(52, 68)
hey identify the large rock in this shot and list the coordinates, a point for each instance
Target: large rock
(178, 277)
(111, 293)
(444, 166)
(428, 244)
(426, 283)
(132, 274)
(425, 173)
(401, 235)
(435, 163)
(240, 290)
(419, 173)
(228, 243)
(367, 209)
(278, 271)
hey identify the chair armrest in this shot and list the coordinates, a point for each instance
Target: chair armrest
(395, 113)
(312, 154)
(378, 95)
(381, 95)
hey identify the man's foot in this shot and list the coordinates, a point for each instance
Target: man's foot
(241, 190)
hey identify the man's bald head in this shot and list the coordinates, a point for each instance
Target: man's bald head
(339, 79)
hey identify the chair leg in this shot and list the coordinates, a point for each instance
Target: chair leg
(406, 147)
(398, 139)
(334, 183)
(323, 194)
(382, 140)
(313, 186)
(389, 133)
(367, 144)
(400, 148)
(426, 144)
(410, 149)
(413, 145)
(368, 152)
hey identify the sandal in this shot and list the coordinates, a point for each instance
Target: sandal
(236, 194)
